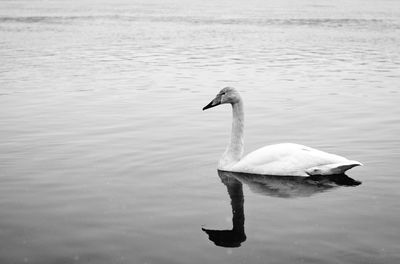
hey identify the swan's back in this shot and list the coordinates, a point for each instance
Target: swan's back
(292, 159)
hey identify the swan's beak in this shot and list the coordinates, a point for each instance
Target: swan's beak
(215, 102)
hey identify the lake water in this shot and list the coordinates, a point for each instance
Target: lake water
(107, 157)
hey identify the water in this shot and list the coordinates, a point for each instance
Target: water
(106, 156)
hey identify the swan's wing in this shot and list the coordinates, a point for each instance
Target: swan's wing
(292, 159)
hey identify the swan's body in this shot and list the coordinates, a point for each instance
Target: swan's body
(280, 159)
(291, 159)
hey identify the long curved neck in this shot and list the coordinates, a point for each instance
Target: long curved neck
(234, 151)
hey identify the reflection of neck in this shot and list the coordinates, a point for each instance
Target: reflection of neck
(234, 237)
(234, 151)
(235, 191)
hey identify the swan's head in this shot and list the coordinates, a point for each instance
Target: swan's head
(227, 95)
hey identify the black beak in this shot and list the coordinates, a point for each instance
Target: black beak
(212, 104)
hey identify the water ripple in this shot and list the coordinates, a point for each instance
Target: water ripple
(312, 22)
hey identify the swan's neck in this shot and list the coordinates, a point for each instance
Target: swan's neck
(234, 151)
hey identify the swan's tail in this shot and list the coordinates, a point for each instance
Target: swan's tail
(336, 168)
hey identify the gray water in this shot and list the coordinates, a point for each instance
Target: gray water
(106, 156)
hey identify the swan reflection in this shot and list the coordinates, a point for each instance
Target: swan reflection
(269, 185)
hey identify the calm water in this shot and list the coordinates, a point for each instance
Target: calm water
(106, 156)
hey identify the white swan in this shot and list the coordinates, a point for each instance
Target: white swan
(279, 159)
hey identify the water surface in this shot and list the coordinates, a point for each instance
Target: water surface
(106, 156)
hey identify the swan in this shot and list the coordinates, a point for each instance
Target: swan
(284, 159)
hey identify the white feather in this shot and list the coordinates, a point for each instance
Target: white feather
(292, 159)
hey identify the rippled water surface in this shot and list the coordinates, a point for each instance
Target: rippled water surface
(106, 156)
